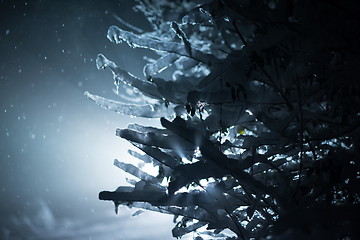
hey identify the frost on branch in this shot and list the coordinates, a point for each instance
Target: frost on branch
(118, 35)
(161, 64)
(147, 111)
(260, 119)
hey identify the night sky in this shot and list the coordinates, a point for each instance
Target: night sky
(56, 146)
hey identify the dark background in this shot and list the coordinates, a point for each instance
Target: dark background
(56, 146)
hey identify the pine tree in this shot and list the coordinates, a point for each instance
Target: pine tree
(260, 117)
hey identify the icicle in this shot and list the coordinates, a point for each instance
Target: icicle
(116, 203)
(116, 83)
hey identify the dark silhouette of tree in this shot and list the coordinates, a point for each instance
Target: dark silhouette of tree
(260, 117)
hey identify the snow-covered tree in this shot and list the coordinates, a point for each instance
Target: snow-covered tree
(260, 109)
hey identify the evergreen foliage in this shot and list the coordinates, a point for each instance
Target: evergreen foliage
(260, 118)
